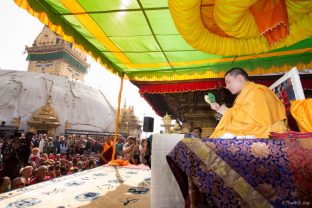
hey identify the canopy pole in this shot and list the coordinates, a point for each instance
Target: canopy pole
(117, 116)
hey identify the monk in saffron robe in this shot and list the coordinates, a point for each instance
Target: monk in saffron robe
(107, 151)
(256, 111)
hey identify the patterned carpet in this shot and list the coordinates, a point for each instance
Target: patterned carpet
(104, 186)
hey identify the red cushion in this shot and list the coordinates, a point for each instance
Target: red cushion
(290, 134)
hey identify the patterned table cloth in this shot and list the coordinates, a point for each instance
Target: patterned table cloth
(105, 186)
(246, 172)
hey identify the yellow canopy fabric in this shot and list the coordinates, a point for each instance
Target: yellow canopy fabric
(236, 21)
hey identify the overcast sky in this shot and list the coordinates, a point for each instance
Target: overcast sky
(18, 29)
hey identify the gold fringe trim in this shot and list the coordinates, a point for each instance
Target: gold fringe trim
(212, 75)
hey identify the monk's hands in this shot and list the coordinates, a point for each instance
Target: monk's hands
(215, 106)
(220, 109)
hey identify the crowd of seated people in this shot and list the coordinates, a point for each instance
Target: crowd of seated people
(44, 158)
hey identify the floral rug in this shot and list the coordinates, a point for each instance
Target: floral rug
(105, 186)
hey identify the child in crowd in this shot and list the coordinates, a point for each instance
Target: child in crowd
(18, 182)
(26, 173)
(5, 184)
(35, 156)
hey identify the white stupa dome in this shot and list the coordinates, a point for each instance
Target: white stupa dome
(23, 93)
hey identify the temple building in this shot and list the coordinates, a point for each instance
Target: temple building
(51, 96)
(129, 124)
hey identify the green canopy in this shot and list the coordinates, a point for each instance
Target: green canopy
(139, 38)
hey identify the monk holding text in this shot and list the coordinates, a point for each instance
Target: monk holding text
(256, 111)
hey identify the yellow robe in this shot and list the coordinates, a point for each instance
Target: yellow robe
(256, 112)
(301, 110)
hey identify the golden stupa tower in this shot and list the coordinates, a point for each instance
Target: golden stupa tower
(51, 54)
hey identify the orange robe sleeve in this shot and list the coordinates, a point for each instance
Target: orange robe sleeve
(256, 112)
(301, 110)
